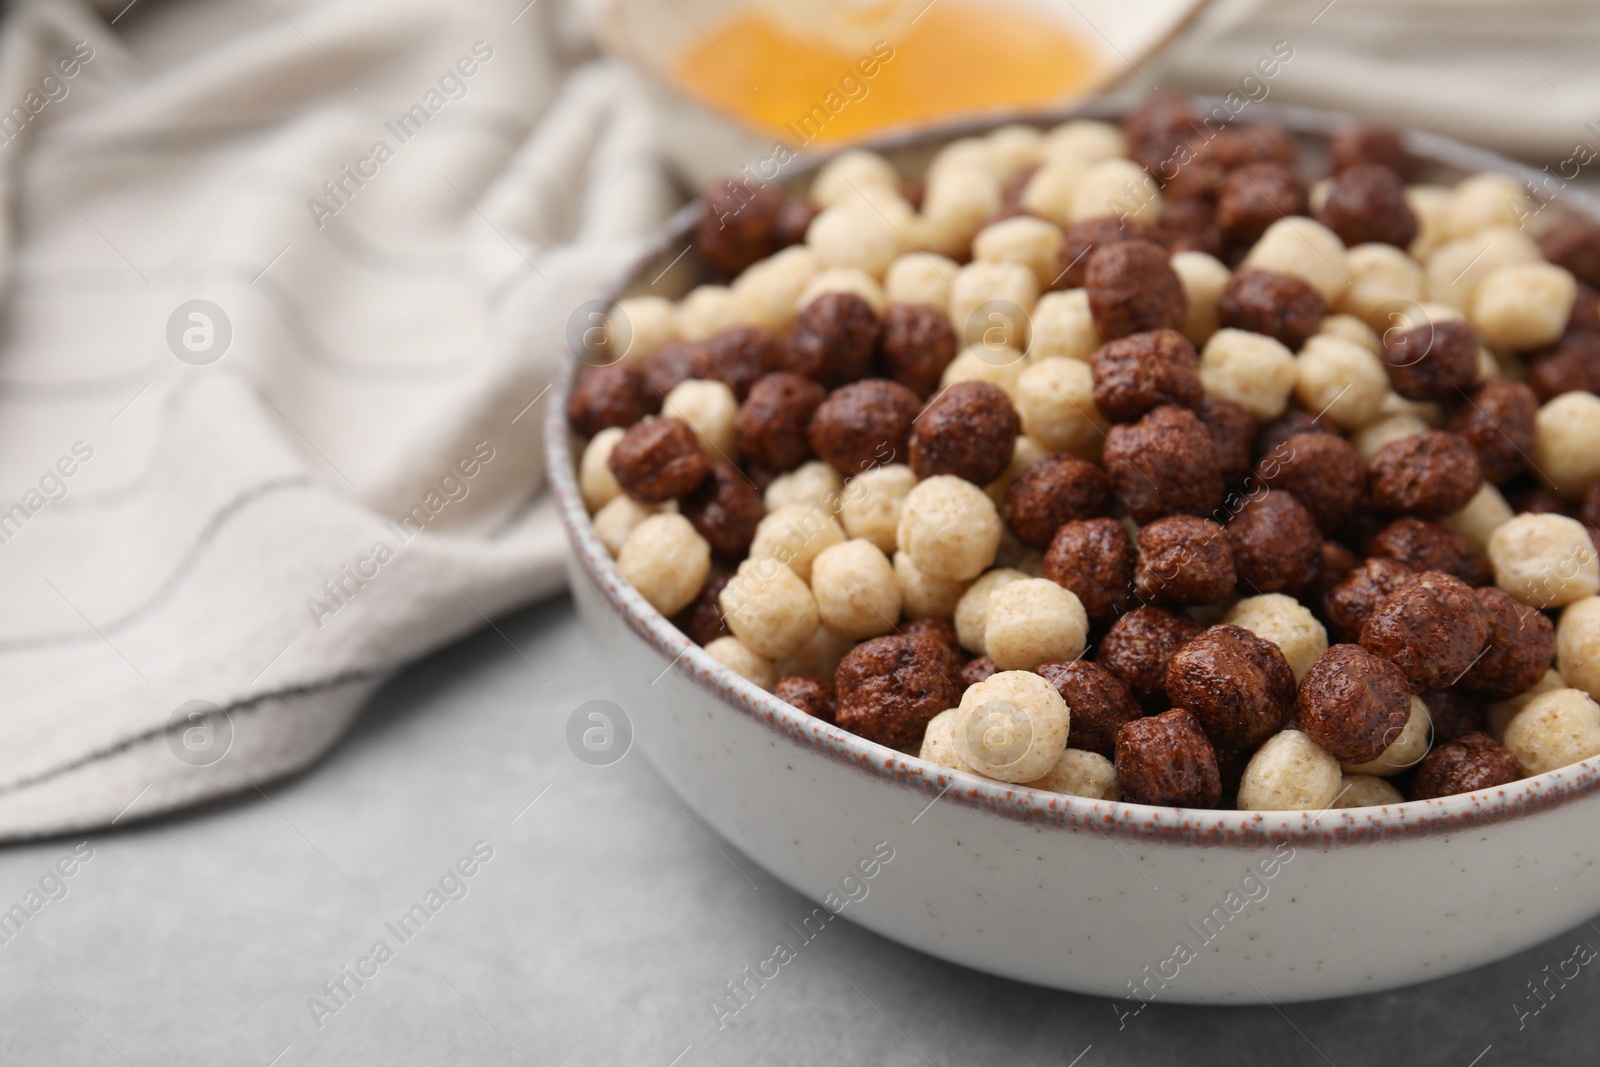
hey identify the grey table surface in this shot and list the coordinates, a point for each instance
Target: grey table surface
(596, 932)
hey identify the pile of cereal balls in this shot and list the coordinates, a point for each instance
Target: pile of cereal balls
(1132, 462)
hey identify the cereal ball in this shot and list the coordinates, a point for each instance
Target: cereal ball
(1094, 558)
(1140, 647)
(1237, 685)
(1083, 238)
(939, 741)
(771, 288)
(671, 364)
(1030, 242)
(1054, 490)
(666, 561)
(1055, 400)
(1342, 380)
(638, 325)
(1248, 369)
(1335, 566)
(1544, 561)
(734, 226)
(842, 177)
(1183, 560)
(956, 205)
(1047, 192)
(1487, 199)
(1306, 249)
(813, 696)
(1554, 730)
(1368, 204)
(709, 309)
(1118, 187)
(872, 502)
(725, 509)
(891, 687)
(1001, 366)
(1084, 139)
(1500, 713)
(795, 535)
(1422, 546)
(990, 302)
(1167, 760)
(772, 421)
(617, 519)
(856, 592)
(968, 430)
(925, 597)
(711, 410)
(1063, 326)
(1164, 465)
(1276, 544)
(1520, 648)
(1100, 704)
(834, 339)
(1432, 627)
(1353, 704)
(1033, 621)
(864, 424)
(1453, 712)
(1013, 726)
(1523, 306)
(1374, 437)
(596, 483)
(1406, 749)
(972, 610)
(1140, 372)
(1323, 472)
(1578, 645)
(1348, 604)
(789, 228)
(1574, 244)
(860, 235)
(769, 608)
(1467, 764)
(1233, 433)
(1352, 145)
(658, 459)
(702, 621)
(916, 345)
(1132, 288)
(1190, 226)
(949, 528)
(1255, 196)
(1456, 268)
(1366, 791)
(739, 659)
(1499, 422)
(1566, 452)
(977, 670)
(941, 630)
(609, 396)
(920, 278)
(1485, 513)
(1204, 279)
(1433, 361)
(1290, 772)
(1381, 276)
(814, 484)
(1286, 623)
(844, 281)
(1280, 306)
(1080, 774)
(817, 658)
(1427, 474)
(737, 357)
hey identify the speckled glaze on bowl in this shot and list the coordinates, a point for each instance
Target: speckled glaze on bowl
(1122, 900)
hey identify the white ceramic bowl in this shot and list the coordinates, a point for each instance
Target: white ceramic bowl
(1123, 900)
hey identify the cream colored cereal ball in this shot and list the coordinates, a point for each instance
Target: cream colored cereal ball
(949, 528)
(1081, 774)
(856, 591)
(596, 484)
(1379, 275)
(1290, 772)
(743, 661)
(1089, 140)
(1366, 791)
(1049, 193)
(939, 744)
(1406, 750)
(795, 535)
(1555, 730)
(842, 178)
(1431, 206)
(1498, 716)
(1412, 314)
(1485, 513)
(1014, 147)
(638, 325)
(1250, 369)
(924, 597)
(817, 658)
(1306, 249)
(666, 560)
(1024, 453)
(710, 309)
(845, 280)
(1430, 413)
(1544, 560)
(974, 154)
(771, 288)
(956, 204)
(1024, 240)
(712, 410)
(1013, 726)
(1285, 622)
(1119, 188)
(1566, 452)
(862, 236)
(1350, 328)
(921, 278)
(812, 484)
(1034, 621)
(1578, 645)
(1055, 401)
(1000, 366)
(769, 608)
(1485, 200)
(990, 303)
(1063, 326)
(1372, 437)
(1203, 277)
(1456, 268)
(618, 518)
(872, 502)
(1342, 380)
(1523, 306)
(971, 617)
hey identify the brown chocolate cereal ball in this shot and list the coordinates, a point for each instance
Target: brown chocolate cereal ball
(703, 621)
(1540, 501)
(978, 670)
(1585, 314)
(1347, 605)
(1139, 648)
(1094, 559)
(1453, 712)
(1166, 760)
(811, 695)
(1466, 764)
(1100, 704)
(1324, 472)
(1281, 306)
(1426, 474)
(939, 629)
(774, 419)
(1366, 205)
(1497, 420)
(864, 424)
(1052, 491)
(916, 345)
(726, 509)
(1165, 117)
(889, 687)
(1353, 703)
(1082, 238)
(1183, 560)
(1132, 288)
(1434, 361)
(1163, 465)
(1423, 546)
(794, 218)
(1575, 245)
(1520, 648)
(1138, 373)
(613, 395)
(1571, 366)
(738, 357)
(1191, 226)
(1432, 627)
(1276, 543)
(659, 459)
(1291, 423)
(834, 339)
(669, 367)
(1238, 686)
(1333, 567)
(1233, 434)
(1254, 196)
(1264, 142)
(1354, 145)
(968, 430)
(735, 225)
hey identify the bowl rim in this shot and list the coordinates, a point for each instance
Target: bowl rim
(1114, 820)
